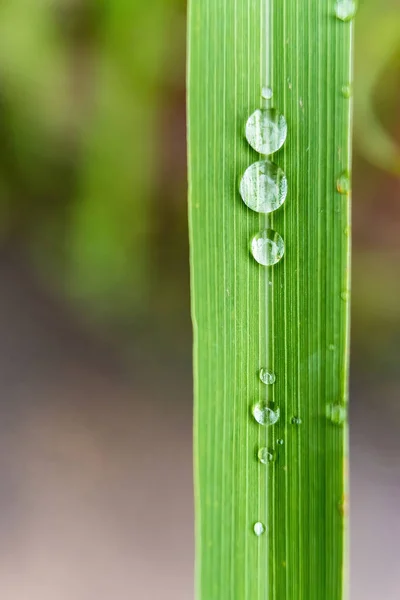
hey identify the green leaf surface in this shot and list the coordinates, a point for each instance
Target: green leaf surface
(291, 318)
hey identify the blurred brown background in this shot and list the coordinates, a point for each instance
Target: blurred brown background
(95, 345)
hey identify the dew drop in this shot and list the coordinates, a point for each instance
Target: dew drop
(267, 247)
(345, 295)
(263, 186)
(266, 130)
(337, 414)
(296, 421)
(265, 415)
(343, 183)
(266, 92)
(346, 91)
(280, 442)
(258, 528)
(345, 9)
(265, 456)
(267, 377)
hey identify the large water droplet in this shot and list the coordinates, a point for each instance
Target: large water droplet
(265, 456)
(264, 415)
(343, 183)
(267, 247)
(263, 186)
(266, 92)
(267, 377)
(345, 9)
(266, 130)
(337, 414)
(258, 528)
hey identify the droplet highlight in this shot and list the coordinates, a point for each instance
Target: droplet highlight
(263, 187)
(266, 92)
(266, 130)
(267, 247)
(264, 415)
(267, 377)
(345, 9)
(258, 528)
(265, 456)
(343, 183)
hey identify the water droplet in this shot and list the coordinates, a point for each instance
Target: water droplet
(347, 91)
(266, 130)
(296, 421)
(266, 92)
(265, 415)
(267, 377)
(337, 414)
(331, 347)
(280, 442)
(265, 456)
(258, 528)
(345, 9)
(347, 231)
(345, 295)
(263, 187)
(267, 247)
(343, 183)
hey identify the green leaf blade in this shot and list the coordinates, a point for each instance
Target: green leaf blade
(290, 318)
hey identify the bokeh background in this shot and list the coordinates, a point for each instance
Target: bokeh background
(95, 334)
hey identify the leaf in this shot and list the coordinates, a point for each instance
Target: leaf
(291, 318)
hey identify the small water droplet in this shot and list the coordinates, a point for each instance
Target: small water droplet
(347, 91)
(266, 92)
(265, 456)
(343, 183)
(347, 231)
(264, 415)
(331, 347)
(266, 130)
(258, 528)
(345, 9)
(263, 186)
(337, 414)
(280, 442)
(267, 377)
(345, 295)
(267, 247)
(296, 421)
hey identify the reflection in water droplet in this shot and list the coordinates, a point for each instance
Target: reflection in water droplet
(258, 528)
(263, 186)
(347, 91)
(267, 377)
(266, 92)
(343, 183)
(265, 456)
(345, 9)
(296, 421)
(337, 414)
(267, 247)
(266, 130)
(265, 415)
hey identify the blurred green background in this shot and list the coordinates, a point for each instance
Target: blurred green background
(93, 232)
